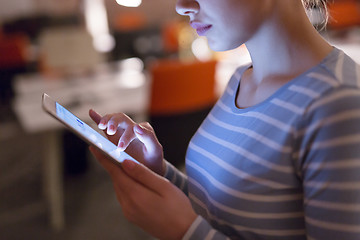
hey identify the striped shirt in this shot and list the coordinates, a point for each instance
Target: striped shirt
(287, 168)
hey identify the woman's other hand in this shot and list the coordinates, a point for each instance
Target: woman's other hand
(149, 200)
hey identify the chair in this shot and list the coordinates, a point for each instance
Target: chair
(181, 96)
(344, 14)
(13, 50)
(13, 60)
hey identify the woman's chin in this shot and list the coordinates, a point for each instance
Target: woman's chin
(221, 46)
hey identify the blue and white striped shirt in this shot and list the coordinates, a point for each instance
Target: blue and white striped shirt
(287, 168)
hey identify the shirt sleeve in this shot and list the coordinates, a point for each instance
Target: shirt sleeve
(330, 166)
(175, 176)
(201, 229)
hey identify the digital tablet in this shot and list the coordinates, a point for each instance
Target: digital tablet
(84, 131)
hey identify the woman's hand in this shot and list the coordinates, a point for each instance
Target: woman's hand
(138, 140)
(149, 200)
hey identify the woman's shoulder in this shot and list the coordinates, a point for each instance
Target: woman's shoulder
(336, 73)
(336, 81)
(341, 68)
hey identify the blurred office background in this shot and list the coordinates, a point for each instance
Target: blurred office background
(136, 57)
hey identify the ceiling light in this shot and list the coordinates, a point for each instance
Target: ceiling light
(129, 3)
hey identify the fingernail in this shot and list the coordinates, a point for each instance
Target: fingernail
(139, 129)
(121, 144)
(101, 125)
(128, 164)
(110, 131)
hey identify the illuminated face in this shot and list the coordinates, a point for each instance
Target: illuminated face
(226, 23)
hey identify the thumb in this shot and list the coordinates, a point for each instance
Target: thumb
(112, 168)
(144, 176)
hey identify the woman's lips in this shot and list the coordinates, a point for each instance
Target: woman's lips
(200, 28)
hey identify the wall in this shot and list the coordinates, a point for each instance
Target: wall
(156, 11)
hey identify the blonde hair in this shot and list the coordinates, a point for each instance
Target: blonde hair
(314, 3)
(321, 5)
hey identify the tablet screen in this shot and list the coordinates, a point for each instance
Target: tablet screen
(91, 135)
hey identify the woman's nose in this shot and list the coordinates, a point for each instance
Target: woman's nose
(187, 7)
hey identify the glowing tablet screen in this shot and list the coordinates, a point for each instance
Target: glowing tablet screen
(91, 135)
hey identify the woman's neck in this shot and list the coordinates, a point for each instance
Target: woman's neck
(286, 45)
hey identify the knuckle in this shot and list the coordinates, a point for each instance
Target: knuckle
(107, 116)
(160, 146)
(123, 118)
(118, 116)
(148, 126)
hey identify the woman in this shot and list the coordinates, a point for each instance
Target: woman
(278, 156)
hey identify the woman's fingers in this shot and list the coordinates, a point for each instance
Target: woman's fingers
(95, 116)
(104, 122)
(126, 138)
(144, 176)
(124, 182)
(148, 138)
(151, 147)
(146, 125)
(112, 168)
(110, 123)
(139, 140)
(136, 172)
(112, 127)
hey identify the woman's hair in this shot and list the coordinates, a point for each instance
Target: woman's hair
(314, 4)
(320, 5)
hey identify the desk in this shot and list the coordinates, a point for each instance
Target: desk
(107, 92)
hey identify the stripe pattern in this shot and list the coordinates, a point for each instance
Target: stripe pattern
(287, 168)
